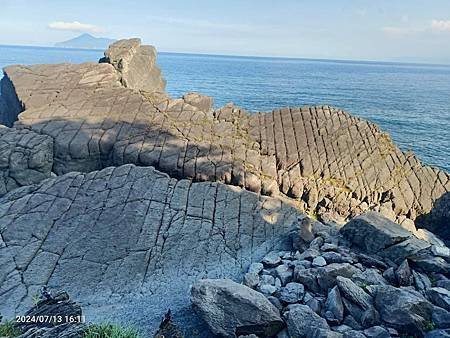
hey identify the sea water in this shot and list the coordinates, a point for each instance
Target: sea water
(410, 101)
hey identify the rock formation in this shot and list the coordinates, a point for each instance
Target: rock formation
(131, 235)
(155, 193)
(334, 164)
(25, 158)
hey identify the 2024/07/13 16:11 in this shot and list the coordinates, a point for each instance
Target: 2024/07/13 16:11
(50, 319)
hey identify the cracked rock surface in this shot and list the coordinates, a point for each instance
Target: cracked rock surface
(334, 164)
(25, 158)
(127, 242)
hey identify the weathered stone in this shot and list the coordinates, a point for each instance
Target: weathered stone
(354, 293)
(440, 317)
(326, 276)
(370, 318)
(404, 274)
(201, 102)
(377, 332)
(251, 280)
(438, 334)
(421, 281)
(439, 297)
(390, 276)
(232, 309)
(284, 273)
(74, 239)
(430, 264)
(324, 333)
(403, 309)
(255, 268)
(272, 259)
(443, 283)
(292, 293)
(334, 304)
(354, 334)
(319, 261)
(369, 277)
(25, 158)
(302, 321)
(136, 64)
(376, 234)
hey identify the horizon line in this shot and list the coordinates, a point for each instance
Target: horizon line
(318, 59)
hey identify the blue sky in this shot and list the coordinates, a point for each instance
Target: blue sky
(398, 30)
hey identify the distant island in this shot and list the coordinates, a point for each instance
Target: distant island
(86, 41)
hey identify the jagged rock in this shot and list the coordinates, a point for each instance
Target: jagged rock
(74, 239)
(353, 292)
(439, 297)
(440, 317)
(26, 158)
(326, 276)
(438, 334)
(430, 264)
(302, 321)
(334, 304)
(255, 268)
(353, 334)
(444, 283)
(324, 333)
(390, 276)
(421, 281)
(232, 309)
(136, 64)
(201, 102)
(272, 259)
(404, 274)
(284, 273)
(369, 277)
(403, 309)
(370, 318)
(376, 234)
(377, 332)
(292, 293)
(251, 280)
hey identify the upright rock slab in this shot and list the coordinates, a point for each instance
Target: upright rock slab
(232, 309)
(136, 64)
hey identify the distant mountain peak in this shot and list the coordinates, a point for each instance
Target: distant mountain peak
(86, 41)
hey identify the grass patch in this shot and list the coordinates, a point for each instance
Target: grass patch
(111, 331)
(7, 329)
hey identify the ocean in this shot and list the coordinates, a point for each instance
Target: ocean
(410, 101)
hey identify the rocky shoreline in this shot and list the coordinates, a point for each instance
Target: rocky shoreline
(130, 200)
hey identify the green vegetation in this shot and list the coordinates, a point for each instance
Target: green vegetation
(110, 331)
(363, 285)
(429, 325)
(7, 329)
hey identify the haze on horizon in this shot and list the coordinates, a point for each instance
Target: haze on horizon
(385, 30)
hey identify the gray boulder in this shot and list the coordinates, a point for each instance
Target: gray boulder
(302, 321)
(403, 309)
(439, 297)
(231, 309)
(292, 293)
(376, 234)
(334, 304)
(354, 293)
(441, 317)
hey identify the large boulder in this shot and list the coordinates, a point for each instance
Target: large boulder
(302, 321)
(232, 309)
(403, 309)
(375, 234)
(137, 65)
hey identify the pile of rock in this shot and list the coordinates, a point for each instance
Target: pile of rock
(371, 279)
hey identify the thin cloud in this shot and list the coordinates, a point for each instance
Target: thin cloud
(75, 26)
(440, 25)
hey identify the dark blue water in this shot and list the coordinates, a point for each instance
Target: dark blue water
(410, 101)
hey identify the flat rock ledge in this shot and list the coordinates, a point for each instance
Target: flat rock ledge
(115, 112)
